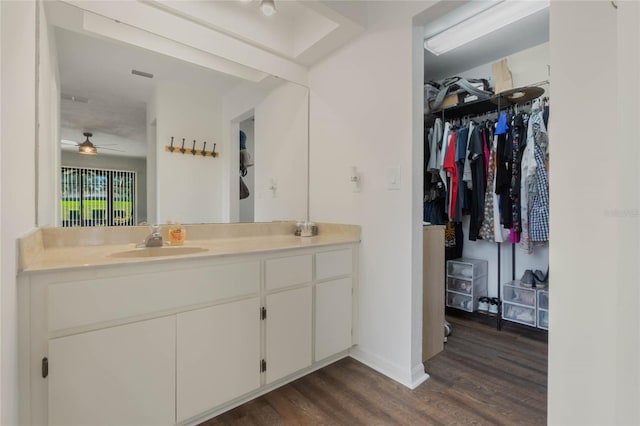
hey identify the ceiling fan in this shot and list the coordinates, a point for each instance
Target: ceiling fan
(87, 147)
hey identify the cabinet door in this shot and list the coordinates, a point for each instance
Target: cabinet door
(117, 376)
(333, 317)
(218, 355)
(288, 332)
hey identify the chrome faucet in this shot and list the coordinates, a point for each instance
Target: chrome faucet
(155, 238)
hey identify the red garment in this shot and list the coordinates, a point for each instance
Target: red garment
(451, 167)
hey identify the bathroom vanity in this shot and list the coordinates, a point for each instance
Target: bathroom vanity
(111, 338)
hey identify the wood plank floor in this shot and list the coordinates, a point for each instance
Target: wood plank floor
(482, 377)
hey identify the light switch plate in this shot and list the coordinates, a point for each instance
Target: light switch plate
(393, 178)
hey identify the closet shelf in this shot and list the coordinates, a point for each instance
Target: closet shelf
(462, 110)
(505, 99)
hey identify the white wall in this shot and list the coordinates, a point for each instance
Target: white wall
(593, 339)
(281, 154)
(627, 313)
(189, 187)
(17, 182)
(152, 159)
(247, 205)
(280, 130)
(237, 105)
(362, 115)
(528, 66)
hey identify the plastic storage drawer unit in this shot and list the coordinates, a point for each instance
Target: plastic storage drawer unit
(466, 283)
(543, 309)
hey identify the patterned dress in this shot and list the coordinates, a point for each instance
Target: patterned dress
(487, 229)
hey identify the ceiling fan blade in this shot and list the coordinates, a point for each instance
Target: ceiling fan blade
(70, 143)
(109, 149)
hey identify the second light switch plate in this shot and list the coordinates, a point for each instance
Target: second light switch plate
(393, 178)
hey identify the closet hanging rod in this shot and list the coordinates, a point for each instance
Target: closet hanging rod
(524, 106)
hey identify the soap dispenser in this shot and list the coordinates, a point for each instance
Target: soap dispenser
(177, 234)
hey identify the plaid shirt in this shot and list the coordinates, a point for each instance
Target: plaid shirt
(539, 213)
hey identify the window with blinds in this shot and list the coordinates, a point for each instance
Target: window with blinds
(98, 197)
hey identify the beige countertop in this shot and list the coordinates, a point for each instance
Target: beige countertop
(53, 249)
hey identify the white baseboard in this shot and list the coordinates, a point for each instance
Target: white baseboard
(411, 379)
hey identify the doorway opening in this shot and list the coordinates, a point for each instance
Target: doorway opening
(247, 143)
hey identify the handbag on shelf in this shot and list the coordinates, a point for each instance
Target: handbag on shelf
(451, 90)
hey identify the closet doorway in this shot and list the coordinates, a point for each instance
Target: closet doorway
(247, 141)
(487, 108)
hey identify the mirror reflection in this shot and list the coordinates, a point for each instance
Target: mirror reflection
(133, 127)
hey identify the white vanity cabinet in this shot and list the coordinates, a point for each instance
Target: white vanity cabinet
(333, 302)
(179, 341)
(288, 332)
(288, 315)
(114, 376)
(215, 346)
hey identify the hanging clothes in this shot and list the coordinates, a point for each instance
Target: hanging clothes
(539, 216)
(453, 240)
(536, 132)
(462, 203)
(476, 161)
(487, 229)
(517, 144)
(451, 167)
(503, 171)
(467, 174)
(443, 145)
(435, 138)
(434, 193)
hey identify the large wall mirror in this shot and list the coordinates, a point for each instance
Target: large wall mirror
(131, 103)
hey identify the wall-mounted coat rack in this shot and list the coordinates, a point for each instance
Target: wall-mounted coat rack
(192, 151)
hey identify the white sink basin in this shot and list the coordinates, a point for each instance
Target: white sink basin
(157, 252)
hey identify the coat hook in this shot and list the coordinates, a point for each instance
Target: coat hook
(182, 149)
(204, 149)
(193, 150)
(614, 4)
(213, 151)
(171, 148)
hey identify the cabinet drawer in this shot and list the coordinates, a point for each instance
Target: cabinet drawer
(460, 285)
(331, 264)
(543, 299)
(521, 314)
(460, 301)
(517, 294)
(79, 303)
(467, 268)
(543, 319)
(288, 271)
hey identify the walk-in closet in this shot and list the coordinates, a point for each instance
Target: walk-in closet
(486, 165)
